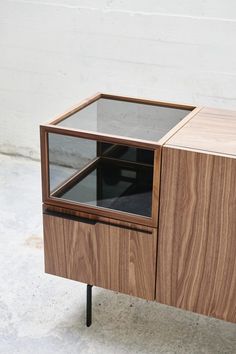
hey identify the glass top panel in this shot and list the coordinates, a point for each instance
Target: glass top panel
(126, 119)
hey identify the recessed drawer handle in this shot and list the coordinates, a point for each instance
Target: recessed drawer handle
(70, 217)
(93, 222)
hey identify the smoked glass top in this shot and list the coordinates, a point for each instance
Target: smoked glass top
(125, 119)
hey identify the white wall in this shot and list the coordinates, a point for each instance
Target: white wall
(55, 52)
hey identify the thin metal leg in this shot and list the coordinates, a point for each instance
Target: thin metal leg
(89, 306)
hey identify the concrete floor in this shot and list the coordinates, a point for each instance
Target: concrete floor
(40, 313)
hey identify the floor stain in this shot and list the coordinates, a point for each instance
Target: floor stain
(34, 242)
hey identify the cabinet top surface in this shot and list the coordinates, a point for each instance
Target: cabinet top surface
(210, 130)
(136, 119)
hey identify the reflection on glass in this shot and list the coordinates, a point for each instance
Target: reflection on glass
(100, 174)
(126, 119)
(67, 155)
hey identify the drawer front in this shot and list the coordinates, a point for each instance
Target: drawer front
(112, 257)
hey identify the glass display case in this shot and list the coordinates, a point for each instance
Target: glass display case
(103, 157)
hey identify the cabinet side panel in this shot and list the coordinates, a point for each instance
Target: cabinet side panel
(196, 267)
(54, 246)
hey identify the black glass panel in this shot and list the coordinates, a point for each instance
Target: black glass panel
(105, 175)
(115, 186)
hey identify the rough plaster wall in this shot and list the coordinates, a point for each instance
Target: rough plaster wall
(55, 52)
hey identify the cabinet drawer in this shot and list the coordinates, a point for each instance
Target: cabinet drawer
(113, 257)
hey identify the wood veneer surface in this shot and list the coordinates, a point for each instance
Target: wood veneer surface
(212, 130)
(100, 254)
(54, 246)
(196, 263)
(93, 217)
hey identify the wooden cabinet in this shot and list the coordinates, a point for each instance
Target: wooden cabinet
(113, 257)
(146, 196)
(196, 268)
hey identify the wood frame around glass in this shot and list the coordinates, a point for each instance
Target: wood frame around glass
(51, 127)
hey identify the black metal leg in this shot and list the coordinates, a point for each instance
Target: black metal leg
(89, 306)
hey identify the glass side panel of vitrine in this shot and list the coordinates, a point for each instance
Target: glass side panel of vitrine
(101, 175)
(127, 119)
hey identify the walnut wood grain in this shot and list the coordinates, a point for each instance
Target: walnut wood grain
(55, 209)
(156, 186)
(80, 250)
(179, 126)
(112, 257)
(106, 138)
(212, 130)
(126, 260)
(196, 263)
(44, 163)
(147, 101)
(54, 246)
(103, 212)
